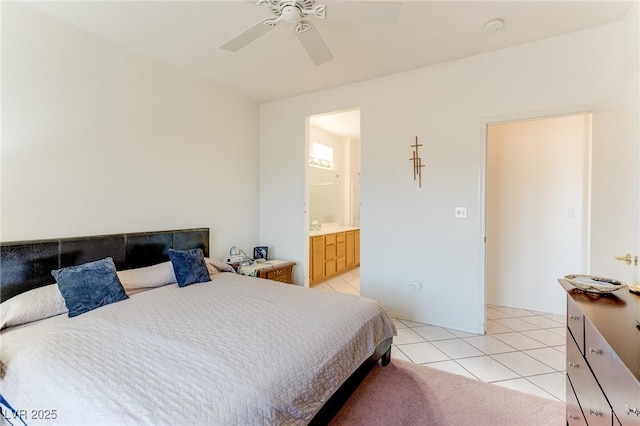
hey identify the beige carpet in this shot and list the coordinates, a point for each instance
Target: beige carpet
(409, 394)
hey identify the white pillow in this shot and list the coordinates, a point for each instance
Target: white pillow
(214, 266)
(33, 305)
(141, 279)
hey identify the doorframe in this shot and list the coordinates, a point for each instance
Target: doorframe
(307, 202)
(482, 216)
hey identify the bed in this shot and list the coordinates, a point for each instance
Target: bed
(234, 350)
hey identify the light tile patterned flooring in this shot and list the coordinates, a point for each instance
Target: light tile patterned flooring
(522, 350)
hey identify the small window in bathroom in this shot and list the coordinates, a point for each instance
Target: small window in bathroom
(321, 155)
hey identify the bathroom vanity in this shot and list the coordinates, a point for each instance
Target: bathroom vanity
(333, 251)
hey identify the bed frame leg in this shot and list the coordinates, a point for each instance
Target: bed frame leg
(386, 357)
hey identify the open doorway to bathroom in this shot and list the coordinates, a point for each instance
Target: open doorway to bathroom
(333, 184)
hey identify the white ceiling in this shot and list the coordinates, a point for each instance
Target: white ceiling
(187, 34)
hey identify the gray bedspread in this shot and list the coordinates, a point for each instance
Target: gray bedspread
(237, 350)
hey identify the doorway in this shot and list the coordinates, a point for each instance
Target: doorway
(537, 204)
(333, 213)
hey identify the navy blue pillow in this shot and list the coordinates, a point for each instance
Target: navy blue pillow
(89, 286)
(189, 266)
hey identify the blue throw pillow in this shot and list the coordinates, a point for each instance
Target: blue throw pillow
(189, 266)
(89, 286)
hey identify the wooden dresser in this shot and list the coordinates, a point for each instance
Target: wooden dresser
(603, 358)
(275, 270)
(282, 273)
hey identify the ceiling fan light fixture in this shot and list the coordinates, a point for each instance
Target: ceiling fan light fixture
(295, 11)
(291, 14)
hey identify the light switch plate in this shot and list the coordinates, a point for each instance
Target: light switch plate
(460, 212)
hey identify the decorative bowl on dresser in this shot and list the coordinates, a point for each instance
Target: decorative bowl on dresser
(603, 358)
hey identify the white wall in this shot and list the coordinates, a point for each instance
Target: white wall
(536, 210)
(353, 197)
(631, 33)
(97, 139)
(411, 233)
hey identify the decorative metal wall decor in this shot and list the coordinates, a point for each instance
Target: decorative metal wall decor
(417, 163)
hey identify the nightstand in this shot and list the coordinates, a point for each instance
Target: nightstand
(275, 270)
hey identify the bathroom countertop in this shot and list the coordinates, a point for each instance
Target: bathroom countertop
(332, 230)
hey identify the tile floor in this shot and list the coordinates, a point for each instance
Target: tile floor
(522, 350)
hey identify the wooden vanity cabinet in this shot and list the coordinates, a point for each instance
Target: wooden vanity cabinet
(357, 244)
(330, 255)
(341, 252)
(316, 261)
(350, 244)
(333, 254)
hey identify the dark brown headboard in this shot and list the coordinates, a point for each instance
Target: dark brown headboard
(25, 265)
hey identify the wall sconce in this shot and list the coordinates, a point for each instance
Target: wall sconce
(417, 163)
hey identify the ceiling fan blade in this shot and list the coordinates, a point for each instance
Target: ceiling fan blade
(243, 39)
(314, 45)
(386, 12)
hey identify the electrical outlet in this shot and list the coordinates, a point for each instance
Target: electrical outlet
(460, 212)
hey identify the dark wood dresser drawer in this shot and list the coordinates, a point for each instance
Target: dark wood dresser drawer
(282, 273)
(282, 279)
(574, 412)
(595, 406)
(598, 354)
(278, 275)
(625, 395)
(575, 323)
(577, 368)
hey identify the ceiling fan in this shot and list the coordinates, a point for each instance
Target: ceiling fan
(299, 12)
